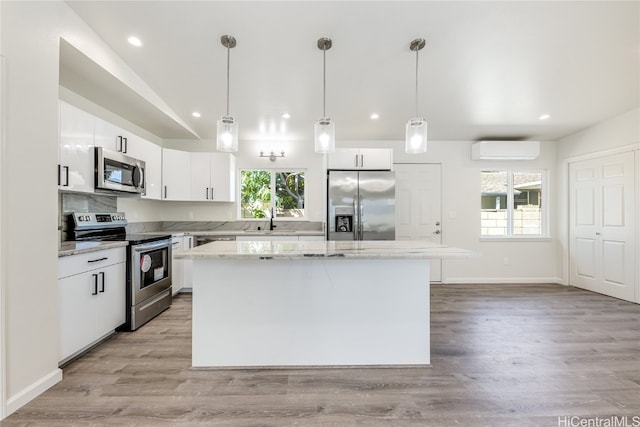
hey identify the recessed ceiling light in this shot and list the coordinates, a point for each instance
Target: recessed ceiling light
(286, 115)
(134, 41)
(195, 114)
(374, 116)
(545, 116)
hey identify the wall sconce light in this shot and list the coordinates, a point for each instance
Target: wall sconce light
(272, 156)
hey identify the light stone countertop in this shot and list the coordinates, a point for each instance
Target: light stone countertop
(238, 233)
(390, 249)
(75, 248)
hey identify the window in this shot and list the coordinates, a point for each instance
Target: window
(511, 203)
(264, 190)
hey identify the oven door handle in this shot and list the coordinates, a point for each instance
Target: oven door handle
(151, 246)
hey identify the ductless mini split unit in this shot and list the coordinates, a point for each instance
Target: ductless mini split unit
(505, 150)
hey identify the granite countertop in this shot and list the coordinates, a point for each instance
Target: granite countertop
(75, 248)
(391, 249)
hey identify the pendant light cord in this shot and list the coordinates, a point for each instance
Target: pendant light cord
(417, 50)
(228, 56)
(324, 82)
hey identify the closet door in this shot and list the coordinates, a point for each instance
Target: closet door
(602, 225)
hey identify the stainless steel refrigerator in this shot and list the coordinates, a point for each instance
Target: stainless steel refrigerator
(361, 205)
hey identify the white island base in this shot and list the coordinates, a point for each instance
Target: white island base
(310, 311)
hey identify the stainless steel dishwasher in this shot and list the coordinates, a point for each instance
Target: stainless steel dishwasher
(204, 239)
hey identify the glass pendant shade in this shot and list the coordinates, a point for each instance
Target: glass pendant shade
(416, 136)
(324, 132)
(227, 134)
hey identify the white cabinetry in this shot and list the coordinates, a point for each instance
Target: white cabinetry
(91, 298)
(177, 280)
(81, 131)
(213, 177)
(152, 155)
(76, 154)
(176, 178)
(188, 242)
(361, 159)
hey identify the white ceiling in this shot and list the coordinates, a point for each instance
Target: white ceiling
(489, 69)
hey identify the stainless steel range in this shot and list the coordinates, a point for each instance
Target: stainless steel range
(148, 262)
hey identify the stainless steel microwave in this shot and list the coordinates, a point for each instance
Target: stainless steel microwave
(118, 172)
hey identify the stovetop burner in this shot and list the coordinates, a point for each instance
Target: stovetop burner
(85, 226)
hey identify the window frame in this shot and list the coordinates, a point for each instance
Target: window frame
(272, 190)
(544, 211)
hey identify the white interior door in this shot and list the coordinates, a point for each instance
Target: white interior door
(419, 206)
(601, 228)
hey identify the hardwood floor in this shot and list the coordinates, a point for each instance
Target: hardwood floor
(502, 355)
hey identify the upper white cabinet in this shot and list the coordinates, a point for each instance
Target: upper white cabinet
(81, 131)
(361, 159)
(76, 157)
(176, 177)
(109, 136)
(151, 153)
(213, 177)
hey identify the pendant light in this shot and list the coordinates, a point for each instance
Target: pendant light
(227, 125)
(416, 132)
(324, 130)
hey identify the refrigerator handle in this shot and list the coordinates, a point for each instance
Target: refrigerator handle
(361, 215)
(356, 224)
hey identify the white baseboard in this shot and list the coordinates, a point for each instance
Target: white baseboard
(29, 393)
(501, 280)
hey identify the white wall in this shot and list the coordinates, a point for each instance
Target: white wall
(30, 198)
(618, 133)
(30, 33)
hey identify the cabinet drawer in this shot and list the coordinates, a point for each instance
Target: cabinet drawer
(76, 264)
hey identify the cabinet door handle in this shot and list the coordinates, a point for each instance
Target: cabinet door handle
(59, 174)
(211, 193)
(126, 145)
(119, 143)
(207, 193)
(66, 176)
(95, 284)
(361, 160)
(101, 281)
(165, 191)
(99, 259)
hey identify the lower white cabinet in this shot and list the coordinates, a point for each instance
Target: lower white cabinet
(91, 298)
(188, 242)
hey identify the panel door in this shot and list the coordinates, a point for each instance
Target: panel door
(601, 225)
(111, 300)
(344, 159)
(77, 305)
(419, 206)
(223, 173)
(76, 149)
(375, 158)
(200, 176)
(109, 136)
(151, 154)
(176, 177)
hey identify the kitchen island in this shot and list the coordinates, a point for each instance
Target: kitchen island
(311, 303)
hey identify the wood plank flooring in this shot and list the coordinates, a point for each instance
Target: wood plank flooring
(502, 355)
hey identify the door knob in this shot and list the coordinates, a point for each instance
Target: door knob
(436, 232)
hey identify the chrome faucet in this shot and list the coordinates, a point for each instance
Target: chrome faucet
(271, 224)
